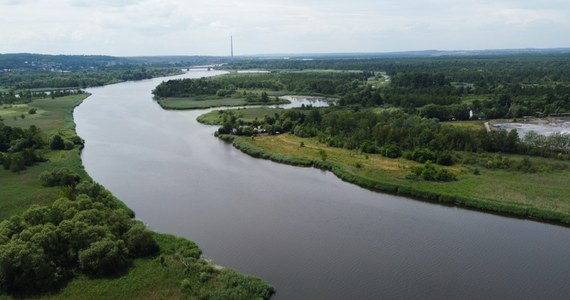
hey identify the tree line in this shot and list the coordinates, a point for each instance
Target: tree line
(79, 79)
(26, 96)
(328, 83)
(394, 133)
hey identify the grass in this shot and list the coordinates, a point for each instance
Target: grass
(208, 102)
(146, 279)
(473, 125)
(541, 195)
(169, 275)
(247, 115)
(23, 189)
(52, 115)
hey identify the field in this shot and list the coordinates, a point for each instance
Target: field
(23, 189)
(247, 115)
(509, 192)
(473, 125)
(52, 115)
(208, 102)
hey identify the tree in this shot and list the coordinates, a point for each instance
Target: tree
(264, 97)
(60, 177)
(139, 241)
(57, 143)
(104, 257)
(17, 162)
(24, 267)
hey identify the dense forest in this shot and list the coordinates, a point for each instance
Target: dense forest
(395, 133)
(327, 83)
(446, 88)
(73, 63)
(22, 80)
(396, 107)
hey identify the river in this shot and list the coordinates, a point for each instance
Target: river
(305, 231)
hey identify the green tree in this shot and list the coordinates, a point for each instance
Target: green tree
(264, 97)
(24, 267)
(57, 143)
(140, 241)
(104, 257)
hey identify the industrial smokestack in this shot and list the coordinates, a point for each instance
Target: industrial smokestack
(232, 45)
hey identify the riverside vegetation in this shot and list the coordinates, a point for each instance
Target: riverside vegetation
(64, 236)
(407, 136)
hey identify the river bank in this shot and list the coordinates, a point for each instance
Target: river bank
(178, 271)
(478, 192)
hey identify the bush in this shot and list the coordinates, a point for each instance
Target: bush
(25, 267)
(430, 172)
(104, 257)
(57, 143)
(60, 177)
(444, 159)
(140, 241)
(391, 151)
(17, 162)
(368, 147)
(422, 155)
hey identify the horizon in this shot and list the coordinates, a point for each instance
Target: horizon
(261, 55)
(130, 28)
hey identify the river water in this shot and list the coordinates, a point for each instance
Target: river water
(304, 230)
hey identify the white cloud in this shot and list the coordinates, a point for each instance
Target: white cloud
(148, 27)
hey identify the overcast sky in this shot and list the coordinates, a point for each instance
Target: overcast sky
(204, 27)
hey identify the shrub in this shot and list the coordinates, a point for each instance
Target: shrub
(422, 155)
(57, 143)
(25, 267)
(391, 151)
(140, 241)
(430, 172)
(17, 162)
(60, 177)
(368, 147)
(444, 159)
(104, 257)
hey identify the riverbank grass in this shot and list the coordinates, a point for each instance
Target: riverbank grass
(542, 195)
(169, 275)
(248, 115)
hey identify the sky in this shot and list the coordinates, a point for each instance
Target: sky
(204, 27)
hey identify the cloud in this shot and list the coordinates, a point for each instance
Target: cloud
(147, 27)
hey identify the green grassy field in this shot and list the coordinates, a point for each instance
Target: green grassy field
(542, 195)
(208, 102)
(248, 115)
(474, 125)
(23, 189)
(52, 115)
